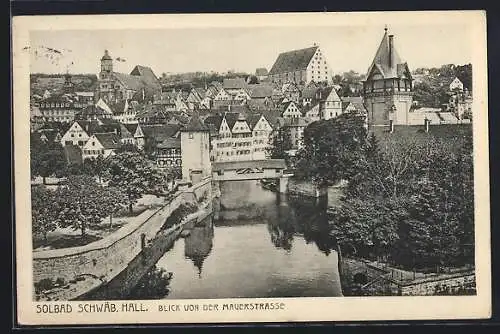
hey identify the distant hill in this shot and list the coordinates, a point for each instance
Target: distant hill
(198, 79)
(40, 82)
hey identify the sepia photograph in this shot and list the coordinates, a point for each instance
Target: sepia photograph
(251, 167)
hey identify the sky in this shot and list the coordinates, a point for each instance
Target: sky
(245, 49)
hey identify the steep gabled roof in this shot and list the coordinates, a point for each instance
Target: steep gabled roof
(94, 126)
(160, 131)
(170, 143)
(195, 125)
(146, 73)
(214, 120)
(129, 81)
(253, 119)
(387, 60)
(124, 132)
(131, 127)
(108, 140)
(231, 118)
(272, 117)
(293, 60)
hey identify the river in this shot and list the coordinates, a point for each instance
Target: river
(262, 245)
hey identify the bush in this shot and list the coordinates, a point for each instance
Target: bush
(44, 285)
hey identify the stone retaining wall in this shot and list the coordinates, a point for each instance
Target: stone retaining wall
(107, 257)
(428, 287)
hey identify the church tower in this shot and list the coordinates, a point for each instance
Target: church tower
(105, 77)
(388, 89)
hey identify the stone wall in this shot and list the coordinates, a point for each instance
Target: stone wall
(107, 257)
(428, 287)
(380, 281)
(305, 188)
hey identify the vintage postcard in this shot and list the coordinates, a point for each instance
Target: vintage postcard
(251, 167)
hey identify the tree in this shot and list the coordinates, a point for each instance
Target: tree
(134, 175)
(46, 159)
(43, 212)
(332, 149)
(81, 203)
(280, 143)
(96, 166)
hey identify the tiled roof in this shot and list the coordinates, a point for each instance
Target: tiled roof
(124, 132)
(129, 81)
(108, 140)
(382, 60)
(293, 60)
(252, 120)
(160, 131)
(214, 120)
(234, 83)
(195, 124)
(146, 73)
(131, 127)
(259, 105)
(231, 118)
(272, 118)
(170, 143)
(260, 91)
(93, 126)
(294, 122)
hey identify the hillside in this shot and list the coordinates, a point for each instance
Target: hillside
(431, 84)
(40, 82)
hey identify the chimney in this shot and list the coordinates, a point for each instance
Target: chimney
(391, 126)
(391, 50)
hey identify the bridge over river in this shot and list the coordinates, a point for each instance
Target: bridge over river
(252, 170)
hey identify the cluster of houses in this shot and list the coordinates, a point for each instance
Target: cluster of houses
(241, 117)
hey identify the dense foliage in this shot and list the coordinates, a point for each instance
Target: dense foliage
(80, 203)
(411, 203)
(433, 90)
(332, 149)
(46, 158)
(409, 200)
(134, 175)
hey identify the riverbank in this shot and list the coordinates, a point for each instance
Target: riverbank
(63, 274)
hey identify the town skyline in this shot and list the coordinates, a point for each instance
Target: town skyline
(444, 44)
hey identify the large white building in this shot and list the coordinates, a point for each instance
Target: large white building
(236, 137)
(301, 67)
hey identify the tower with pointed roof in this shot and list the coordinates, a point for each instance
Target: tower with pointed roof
(195, 150)
(106, 80)
(388, 90)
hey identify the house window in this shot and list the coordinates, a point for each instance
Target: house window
(190, 135)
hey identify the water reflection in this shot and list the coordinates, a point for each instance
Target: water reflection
(260, 245)
(300, 216)
(198, 244)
